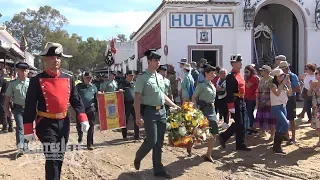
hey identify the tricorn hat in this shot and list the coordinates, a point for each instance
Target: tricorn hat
(54, 49)
(152, 54)
(22, 65)
(162, 67)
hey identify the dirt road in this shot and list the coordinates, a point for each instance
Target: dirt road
(112, 159)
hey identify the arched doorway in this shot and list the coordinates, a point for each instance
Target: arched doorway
(287, 26)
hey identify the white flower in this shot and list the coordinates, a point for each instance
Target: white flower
(168, 126)
(204, 135)
(199, 132)
(182, 131)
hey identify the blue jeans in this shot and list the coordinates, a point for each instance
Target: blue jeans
(18, 116)
(250, 104)
(280, 113)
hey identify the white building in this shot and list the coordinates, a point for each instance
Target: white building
(122, 58)
(10, 49)
(215, 29)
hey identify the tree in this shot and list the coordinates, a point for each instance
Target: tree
(35, 25)
(122, 38)
(132, 34)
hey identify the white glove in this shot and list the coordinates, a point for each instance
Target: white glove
(85, 126)
(29, 137)
(233, 111)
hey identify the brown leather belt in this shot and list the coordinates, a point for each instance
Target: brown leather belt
(238, 95)
(53, 115)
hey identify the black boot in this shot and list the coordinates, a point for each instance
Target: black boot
(278, 139)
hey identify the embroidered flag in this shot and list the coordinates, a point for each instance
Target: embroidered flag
(111, 111)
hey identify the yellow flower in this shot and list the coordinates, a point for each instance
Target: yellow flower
(194, 123)
(188, 117)
(174, 125)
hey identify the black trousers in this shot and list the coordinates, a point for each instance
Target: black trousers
(222, 108)
(3, 118)
(237, 127)
(53, 132)
(91, 113)
(129, 109)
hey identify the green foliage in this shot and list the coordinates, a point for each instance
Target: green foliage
(46, 25)
(122, 38)
(35, 25)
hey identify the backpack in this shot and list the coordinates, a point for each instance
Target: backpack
(191, 90)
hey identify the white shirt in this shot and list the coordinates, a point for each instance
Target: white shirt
(279, 100)
(181, 75)
(307, 80)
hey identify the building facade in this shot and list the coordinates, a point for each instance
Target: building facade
(215, 29)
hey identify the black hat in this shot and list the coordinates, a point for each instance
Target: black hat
(87, 74)
(130, 72)
(152, 54)
(162, 67)
(22, 65)
(113, 72)
(236, 58)
(53, 49)
(183, 61)
(119, 72)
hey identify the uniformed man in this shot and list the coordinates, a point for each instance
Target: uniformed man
(88, 93)
(47, 102)
(163, 71)
(149, 94)
(5, 120)
(119, 77)
(32, 73)
(202, 65)
(17, 91)
(128, 87)
(235, 87)
(97, 81)
(171, 75)
(194, 72)
(110, 85)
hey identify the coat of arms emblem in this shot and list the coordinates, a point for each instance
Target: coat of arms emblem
(204, 36)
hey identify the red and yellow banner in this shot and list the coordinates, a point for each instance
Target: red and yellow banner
(111, 111)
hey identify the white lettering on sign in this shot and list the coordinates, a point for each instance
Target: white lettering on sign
(196, 20)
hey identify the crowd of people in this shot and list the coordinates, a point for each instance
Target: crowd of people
(227, 97)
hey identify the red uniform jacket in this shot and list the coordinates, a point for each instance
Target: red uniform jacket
(51, 93)
(235, 84)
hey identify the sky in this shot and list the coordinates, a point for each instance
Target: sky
(101, 19)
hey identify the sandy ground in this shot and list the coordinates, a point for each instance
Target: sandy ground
(112, 159)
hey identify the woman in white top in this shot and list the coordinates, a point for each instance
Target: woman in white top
(308, 77)
(280, 90)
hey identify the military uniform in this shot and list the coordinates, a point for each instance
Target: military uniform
(151, 87)
(109, 85)
(235, 87)
(128, 88)
(4, 83)
(88, 94)
(173, 84)
(206, 92)
(17, 90)
(47, 102)
(167, 86)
